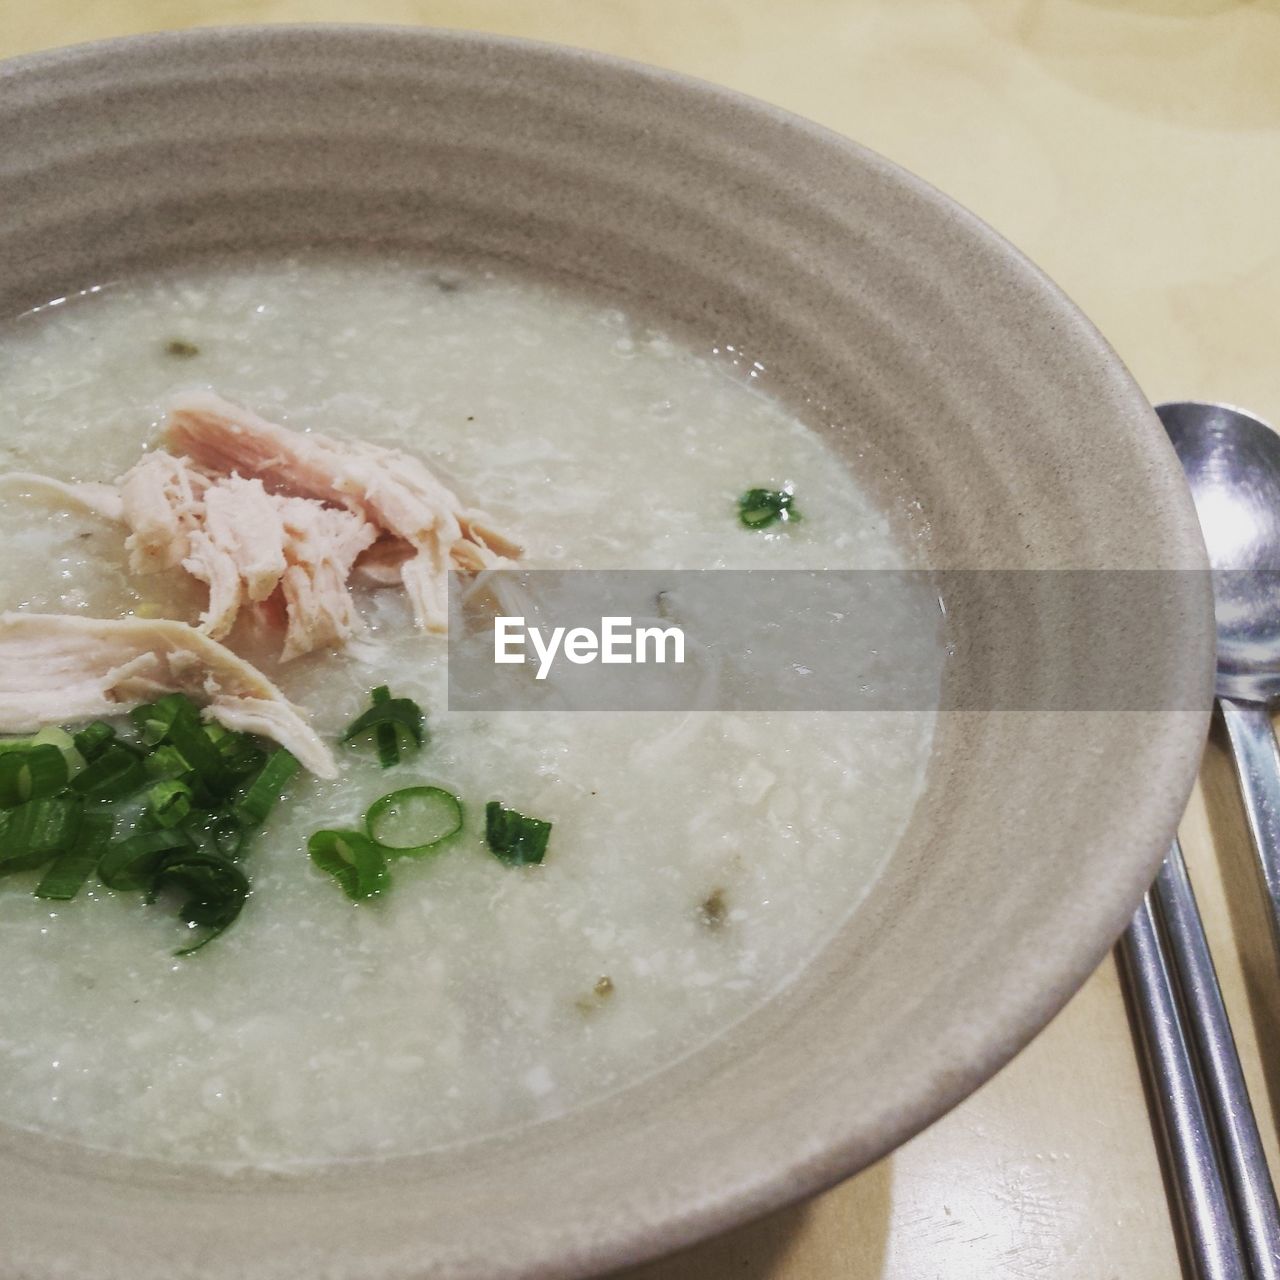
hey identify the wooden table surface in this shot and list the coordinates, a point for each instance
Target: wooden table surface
(1132, 149)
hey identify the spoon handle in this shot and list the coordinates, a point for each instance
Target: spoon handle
(1209, 1231)
(1253, 743)
(1228, 1096)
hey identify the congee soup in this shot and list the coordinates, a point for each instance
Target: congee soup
(265, 900)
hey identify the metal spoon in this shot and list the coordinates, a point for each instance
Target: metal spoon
(1232, 463)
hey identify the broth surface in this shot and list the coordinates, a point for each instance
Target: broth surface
(696, 862)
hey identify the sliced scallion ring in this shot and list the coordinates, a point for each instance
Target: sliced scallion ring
(131, 863)
(513, 838)
(414, 821)
(68, 872)
(34, 833)
(36, 772)
(352, 859)
(268, 785)
(396, 725)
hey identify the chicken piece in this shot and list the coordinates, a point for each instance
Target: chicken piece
(391, 490)
(381, 565)
(243, 543)
(321, 546)
(217, 569)
(162, 502)
(59, 668)
(159, 498)
(244, 521)
(252, 543)
(237, 551)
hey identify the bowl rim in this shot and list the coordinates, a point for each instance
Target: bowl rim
(1021, 1009)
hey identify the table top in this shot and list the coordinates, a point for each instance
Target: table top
(1130, 148)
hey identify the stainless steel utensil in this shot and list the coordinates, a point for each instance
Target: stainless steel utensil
(1248, 1178)
(1232, 463)
(1204, 1204)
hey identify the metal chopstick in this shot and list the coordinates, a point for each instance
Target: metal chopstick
(1243, 1158)
(1204, 1208)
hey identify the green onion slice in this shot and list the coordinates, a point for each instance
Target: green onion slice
(514, 839)
(396, 725)
(187, 733)
(759, 508)
(240, 753)
(33, 833)
(53, 737)
(112, 774)
(131, 863)
(65, 743)
(154, 719)
(174, 721)
(265, 790)
(352, 859)
(69, 871)
(414, 821)
(169, 802)
(215, 831)
(32, 773)
(216, 890)
(91, 740)
(165, 761)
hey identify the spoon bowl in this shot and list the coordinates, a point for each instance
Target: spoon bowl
(1232, 463)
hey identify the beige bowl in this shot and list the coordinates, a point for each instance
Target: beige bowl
(965, 382)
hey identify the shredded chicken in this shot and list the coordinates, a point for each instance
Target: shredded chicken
(163, 505)
(57, 668)
(321, 546)
(281, 522)
(243, 521)
(237, 551)
(390, 490)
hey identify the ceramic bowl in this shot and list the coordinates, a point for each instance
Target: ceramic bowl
(995, 423)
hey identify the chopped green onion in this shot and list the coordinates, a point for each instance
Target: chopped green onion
(395, 723)
(93, 738)
(153, 719)
(385, 736)
(165, 761)
(51, 736)
(414, 821)
(131, 863)
(65, 743)
(169, 802)
(65, 878)
(112, 774)
(514, 839)
(33, 833)
(35, 773)
(217, 890)
(187, 733)
(352, 859)
(759, 508)
(215, 831)
(205, 786)
(266, 788)
(239, 752)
